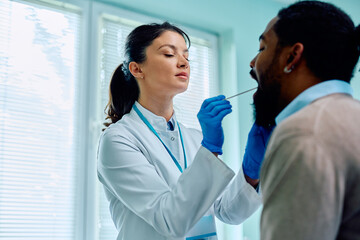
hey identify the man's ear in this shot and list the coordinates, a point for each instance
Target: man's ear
(135, 70)
(295, 54)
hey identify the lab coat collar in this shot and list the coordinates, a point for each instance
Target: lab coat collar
(158, 122)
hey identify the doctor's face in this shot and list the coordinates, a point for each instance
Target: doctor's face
(266, 70)
(166, 69)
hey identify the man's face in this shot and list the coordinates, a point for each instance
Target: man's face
(266, 70)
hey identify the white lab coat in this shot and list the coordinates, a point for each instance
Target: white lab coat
(149, 197)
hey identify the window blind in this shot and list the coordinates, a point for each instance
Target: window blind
(39, 144)
(113, 31)
(203, 82)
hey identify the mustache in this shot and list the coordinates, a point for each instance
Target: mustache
(253, 74)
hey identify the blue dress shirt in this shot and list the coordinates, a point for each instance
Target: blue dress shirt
(313, 93)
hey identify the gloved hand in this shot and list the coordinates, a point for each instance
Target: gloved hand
(211, 113)
(255, 150)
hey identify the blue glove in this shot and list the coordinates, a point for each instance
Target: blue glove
(212, 112)
(255, 150)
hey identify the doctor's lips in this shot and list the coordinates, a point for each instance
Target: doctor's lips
(183, 75)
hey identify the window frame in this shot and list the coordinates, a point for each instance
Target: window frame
(89, 122)
(82, 8)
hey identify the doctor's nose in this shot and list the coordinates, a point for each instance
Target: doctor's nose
(183, 62)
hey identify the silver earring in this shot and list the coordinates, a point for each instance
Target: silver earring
(286, 70)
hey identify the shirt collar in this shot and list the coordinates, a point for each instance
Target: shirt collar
(158, 122)
(313, 93)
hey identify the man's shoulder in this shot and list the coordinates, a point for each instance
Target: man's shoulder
(332, 109)
(330, 123)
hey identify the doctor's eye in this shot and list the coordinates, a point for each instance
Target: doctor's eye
(169, 55)
(261, 49)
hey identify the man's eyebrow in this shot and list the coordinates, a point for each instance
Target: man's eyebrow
(262, 37)
(171, 46)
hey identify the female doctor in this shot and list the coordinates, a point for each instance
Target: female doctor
(162, 179)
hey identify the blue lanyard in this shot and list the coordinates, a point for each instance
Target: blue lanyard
(143, 118)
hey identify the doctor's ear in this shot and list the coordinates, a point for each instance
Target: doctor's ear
(135, 70)
(295, 54)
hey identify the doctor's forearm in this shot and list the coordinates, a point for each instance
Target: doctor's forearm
(239, 201)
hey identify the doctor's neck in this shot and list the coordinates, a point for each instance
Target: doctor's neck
(160, 106)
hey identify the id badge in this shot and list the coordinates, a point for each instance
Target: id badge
(203, 229)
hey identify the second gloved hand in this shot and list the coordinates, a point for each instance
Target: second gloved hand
(210, 116)
(255, 150)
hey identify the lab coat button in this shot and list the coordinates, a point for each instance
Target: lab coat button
(172, 138)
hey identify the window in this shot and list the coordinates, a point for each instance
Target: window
(46, 67)
(39, 144)
(203, 81)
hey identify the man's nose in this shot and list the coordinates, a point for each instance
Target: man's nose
(252, 63)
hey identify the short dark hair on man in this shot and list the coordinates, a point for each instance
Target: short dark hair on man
(331, 44)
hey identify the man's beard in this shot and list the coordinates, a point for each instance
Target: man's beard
(266, 104)
(266, 98)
